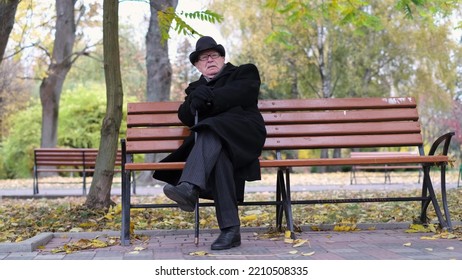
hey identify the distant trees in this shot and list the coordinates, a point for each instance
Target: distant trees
(329, 49)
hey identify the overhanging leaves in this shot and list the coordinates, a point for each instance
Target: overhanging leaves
(169, 18)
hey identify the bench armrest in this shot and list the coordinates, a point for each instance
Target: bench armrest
(447, 139)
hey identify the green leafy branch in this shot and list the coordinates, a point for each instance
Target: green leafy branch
(355, 11)
(170, 19)
(426, 7)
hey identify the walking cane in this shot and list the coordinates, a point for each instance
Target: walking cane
(196, 210)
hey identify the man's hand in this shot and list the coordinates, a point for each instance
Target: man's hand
(201, 99)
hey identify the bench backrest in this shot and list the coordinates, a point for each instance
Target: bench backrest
(78, 157)
(153, 127)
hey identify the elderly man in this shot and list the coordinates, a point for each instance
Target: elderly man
(230, 136)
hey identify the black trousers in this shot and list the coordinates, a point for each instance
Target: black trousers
(208, 166)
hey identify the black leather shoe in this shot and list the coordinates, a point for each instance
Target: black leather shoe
(229, 238)
(185, 194)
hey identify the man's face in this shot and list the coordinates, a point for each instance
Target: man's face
(210, 63)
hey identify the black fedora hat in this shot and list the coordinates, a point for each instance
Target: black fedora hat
(203, 44)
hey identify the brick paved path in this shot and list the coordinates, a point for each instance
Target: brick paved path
(388, 242)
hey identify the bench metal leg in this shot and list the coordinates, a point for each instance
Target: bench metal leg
(460, 175)
(279, 208)
(284, 186)
(428, 186)
(84, 188)
(196, 223)
(352, 176)
(134, 183)
(444, 199)
(125, 231)
(35, 183)
(387, 177)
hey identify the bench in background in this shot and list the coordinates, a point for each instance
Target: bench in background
(68, 160)
(313, 124)
(385, 167)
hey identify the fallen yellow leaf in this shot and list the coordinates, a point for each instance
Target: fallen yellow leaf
(308, 254)
(198, 253)
(428, 238)
(299, 242)
(249, 218)
(293, 252)
(95, 243)
(407, 244)
(288, 240)
(450, 248)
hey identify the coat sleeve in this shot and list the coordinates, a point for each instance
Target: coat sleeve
(184, 111)
(241, 89)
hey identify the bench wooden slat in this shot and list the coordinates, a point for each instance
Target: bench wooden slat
(343, 129)
(61, 163)
(288, 104)
(150, 119)
(134, 134)
(341, 116)
(405, 114)
(302, 162)
(160, 146)
(333, 104)
(281, 143)
(153, 107)
(347, 141)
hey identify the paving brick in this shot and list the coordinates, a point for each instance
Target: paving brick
(21, 256)
(50, 257)
(139, 255)
(83, 255)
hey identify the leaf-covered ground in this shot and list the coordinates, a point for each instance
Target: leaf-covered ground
(24, 218)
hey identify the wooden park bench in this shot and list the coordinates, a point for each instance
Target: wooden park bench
(80, 161)
(386, 168)
(153, 127)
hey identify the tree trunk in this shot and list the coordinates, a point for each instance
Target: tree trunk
(336, 168)
(7, 14)
(158, 65)
(324, 64)
(100, 189)
(60, 64)
(159, 71)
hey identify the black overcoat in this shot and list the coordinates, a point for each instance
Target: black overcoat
(234, 116)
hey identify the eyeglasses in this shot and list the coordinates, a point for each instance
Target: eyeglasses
(205, 57)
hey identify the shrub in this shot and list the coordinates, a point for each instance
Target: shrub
(81, 113)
